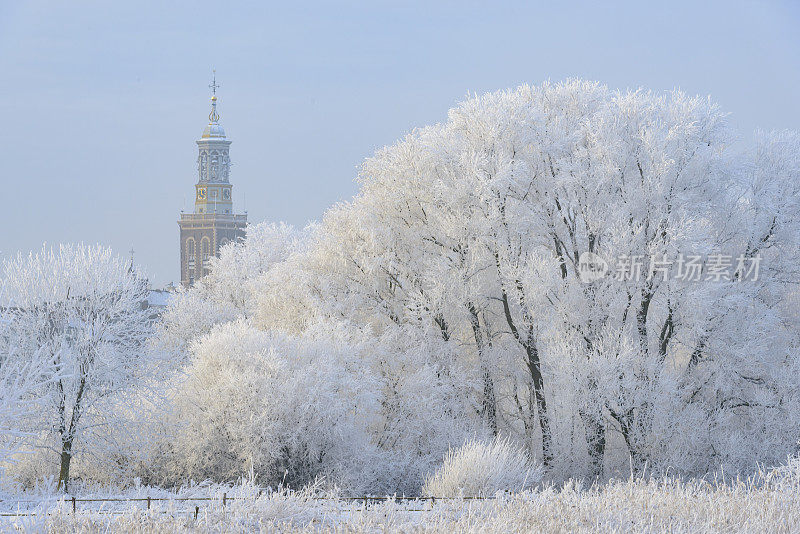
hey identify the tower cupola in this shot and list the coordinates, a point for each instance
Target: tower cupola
(213, 191)
(213, 222)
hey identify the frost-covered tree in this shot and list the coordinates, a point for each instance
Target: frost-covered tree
(410, 410)
(475, 230)
(456, 281)
(75, 313)
(230, 290)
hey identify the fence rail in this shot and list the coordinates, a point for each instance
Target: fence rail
(223, 500)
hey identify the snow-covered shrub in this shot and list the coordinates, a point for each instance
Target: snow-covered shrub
(481, 469)
(291, 410)
(286, 410)
(423, 407)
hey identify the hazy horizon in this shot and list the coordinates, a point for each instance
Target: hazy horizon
(102, 102)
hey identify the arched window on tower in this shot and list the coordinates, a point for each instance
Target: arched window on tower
(191, 257)
(205, 252)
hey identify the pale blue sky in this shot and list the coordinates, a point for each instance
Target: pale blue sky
(101, 102)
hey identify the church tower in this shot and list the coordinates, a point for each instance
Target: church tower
(213, 222)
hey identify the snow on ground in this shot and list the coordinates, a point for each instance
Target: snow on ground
(770, 505)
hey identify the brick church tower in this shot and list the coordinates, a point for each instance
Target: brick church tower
(213, 222)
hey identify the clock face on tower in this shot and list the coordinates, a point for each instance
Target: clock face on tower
(201, 193)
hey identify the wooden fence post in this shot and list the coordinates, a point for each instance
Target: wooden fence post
(148, 502)
(73, 504)
(196, 511)
(224, 499)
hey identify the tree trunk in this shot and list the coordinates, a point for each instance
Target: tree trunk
(534, 366)
(641, 318)
(593, 423)
(68, 434)
(628, 425)
(66, 458)
(595, 442)
(488, 402)
(535, 369)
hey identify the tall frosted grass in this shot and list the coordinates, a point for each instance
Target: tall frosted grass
(768, 502)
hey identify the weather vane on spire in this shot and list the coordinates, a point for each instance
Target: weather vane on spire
(213, 116)
(213, 85)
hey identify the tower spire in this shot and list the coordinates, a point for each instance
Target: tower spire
(213, 85)
(213, 117)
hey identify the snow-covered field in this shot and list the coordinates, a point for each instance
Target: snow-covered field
(770, 505)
